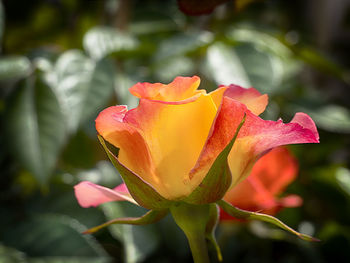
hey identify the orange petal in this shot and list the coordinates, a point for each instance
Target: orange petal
(255, 138)
(270, 176)
(175, 135)
(181, 88)
(160, 141)
(275, 170)
(133, 150)
(252, 98)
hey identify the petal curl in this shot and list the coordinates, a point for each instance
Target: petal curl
(181, 88)
(256, 137)
(133, 150)
(89, 194)
(253, 99)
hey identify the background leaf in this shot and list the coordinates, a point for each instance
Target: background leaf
(82, 85)
(36, 126)
(247, 66)
(343, 178)
(102, 41)
(225, 67)
(139, 241)
(53, 235)
(14, 67)
(11, 255)
(182, 44)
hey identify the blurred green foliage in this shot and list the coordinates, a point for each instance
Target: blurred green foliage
(64, 61)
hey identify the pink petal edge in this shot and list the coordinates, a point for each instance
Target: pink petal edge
(291, 201)
(91, 195)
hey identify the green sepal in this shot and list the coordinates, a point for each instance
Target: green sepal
(214, 213)
(218, 180)
(247, 215)
(143, 193)
(150, 217)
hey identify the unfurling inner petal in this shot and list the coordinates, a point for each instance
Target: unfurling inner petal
(181, 88)
(175, 135)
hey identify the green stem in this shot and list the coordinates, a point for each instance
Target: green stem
(198, 247)
(192, 219)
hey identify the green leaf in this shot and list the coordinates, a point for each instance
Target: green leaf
(262, 40)
(100, 88)
(35, 128)
(247, 215)
(82, 85)
(291, 54)
(122, 85)
(182, 44)
(225, 66)
(218, 179)
(247, 66)
(150, 217)
(11, 255)
(167, 70)
(53, 235)
(343, 178)
(321, 62)
(265, 71)
(69, 260)
(153, 26)
(143, 193)
(14, 67)
(102, 41)
(138, 241)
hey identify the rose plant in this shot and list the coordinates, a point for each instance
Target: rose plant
(182, 149)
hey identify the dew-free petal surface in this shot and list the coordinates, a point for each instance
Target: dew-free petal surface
(91, 195)
(175, 135)
(160, 141)
(253, 99)
(133, 150)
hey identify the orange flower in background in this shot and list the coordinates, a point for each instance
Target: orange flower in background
(270, 176)
(171, 140)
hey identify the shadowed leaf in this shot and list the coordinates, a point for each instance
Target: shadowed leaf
(247, 215)
(150, 217)
(35, 128)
